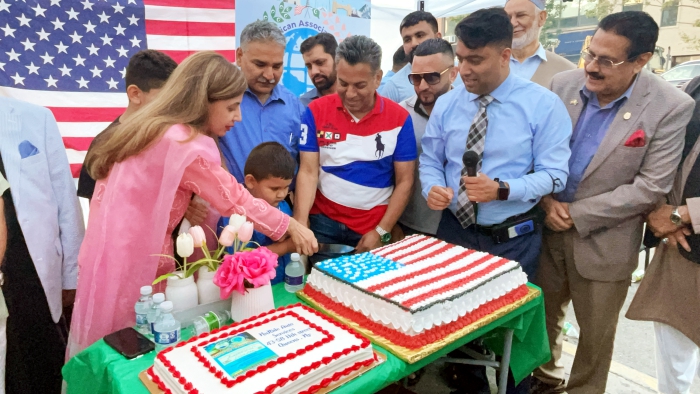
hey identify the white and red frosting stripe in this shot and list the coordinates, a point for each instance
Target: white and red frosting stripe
(452, 286)
(411, 255)
(460, 267)
(439, 278)
(414, 242)
(391, 281)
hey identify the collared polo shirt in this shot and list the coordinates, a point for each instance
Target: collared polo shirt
(278, 119)
(356, 178)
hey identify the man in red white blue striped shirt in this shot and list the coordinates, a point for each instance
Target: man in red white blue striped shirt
(358, 155)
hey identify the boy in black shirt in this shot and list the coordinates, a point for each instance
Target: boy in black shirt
(145, 76)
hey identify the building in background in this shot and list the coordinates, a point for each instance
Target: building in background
(573, 21)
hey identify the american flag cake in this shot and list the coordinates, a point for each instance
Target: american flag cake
(416, 291)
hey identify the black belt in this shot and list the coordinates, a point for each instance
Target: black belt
(514, 226)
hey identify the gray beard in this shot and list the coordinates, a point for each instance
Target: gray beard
(530, 36)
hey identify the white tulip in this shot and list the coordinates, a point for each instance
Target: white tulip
(185, 245)
(237, 221)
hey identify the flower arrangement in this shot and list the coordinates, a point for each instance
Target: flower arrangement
(249, 269)
(237, 234)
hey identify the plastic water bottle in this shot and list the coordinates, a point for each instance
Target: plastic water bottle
(166, 331)
(570, 331)
(154, 312)
(294, 274)
(141, 308)
(211, 321)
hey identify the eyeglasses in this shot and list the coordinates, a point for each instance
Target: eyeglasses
(432, 78)
(603, 63)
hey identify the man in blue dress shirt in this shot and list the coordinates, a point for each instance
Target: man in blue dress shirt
(526, 143)
(415, 28)
(270, 111)
(521, 133)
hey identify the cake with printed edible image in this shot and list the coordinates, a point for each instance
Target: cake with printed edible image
(288, 350)
(417, 291)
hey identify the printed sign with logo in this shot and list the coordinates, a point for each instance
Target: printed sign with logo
(239, 353)
(301, 19)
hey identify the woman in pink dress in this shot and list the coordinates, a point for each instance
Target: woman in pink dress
(147, 171)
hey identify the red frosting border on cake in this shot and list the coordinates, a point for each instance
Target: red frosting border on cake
(280, 382)
(427, 337)
(264, 367)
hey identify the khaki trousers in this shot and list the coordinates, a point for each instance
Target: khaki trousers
(597, 307)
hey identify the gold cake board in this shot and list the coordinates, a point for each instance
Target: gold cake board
(411, 356)
(153, 388)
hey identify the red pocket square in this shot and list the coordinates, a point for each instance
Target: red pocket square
(637, 140)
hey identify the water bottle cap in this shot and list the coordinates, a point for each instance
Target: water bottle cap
(295, 257)
(166, 306)
(146, 290)
(158, 298)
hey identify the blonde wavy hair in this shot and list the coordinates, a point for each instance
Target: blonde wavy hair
(203, 78)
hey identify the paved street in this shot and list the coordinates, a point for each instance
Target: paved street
(632, 372)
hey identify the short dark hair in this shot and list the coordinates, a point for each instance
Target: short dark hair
(270, 160)
(433, 46)
(399, 58)
(360, 49)
(488, 26)
(149, 69)
(416, 17)
(637, 26)
(326, 40)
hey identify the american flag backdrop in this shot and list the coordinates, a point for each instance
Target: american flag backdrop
(71, 56)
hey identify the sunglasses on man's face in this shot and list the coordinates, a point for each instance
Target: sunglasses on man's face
(432, 78)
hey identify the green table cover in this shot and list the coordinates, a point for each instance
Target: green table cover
(100, 369)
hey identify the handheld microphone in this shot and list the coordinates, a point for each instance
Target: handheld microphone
(470, 160)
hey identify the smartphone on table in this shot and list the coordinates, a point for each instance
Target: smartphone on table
(129, 343)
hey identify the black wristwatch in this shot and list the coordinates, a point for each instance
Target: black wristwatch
(503, 190)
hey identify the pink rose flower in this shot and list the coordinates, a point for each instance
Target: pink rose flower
(258, 266)
(229, 276)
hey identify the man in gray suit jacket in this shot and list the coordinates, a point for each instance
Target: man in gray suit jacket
(529, 59)
(45, 229)
(625, 149)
